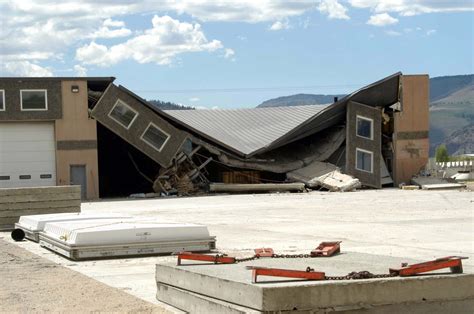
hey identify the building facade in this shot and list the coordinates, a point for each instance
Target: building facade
(111, 142)
(46, 134)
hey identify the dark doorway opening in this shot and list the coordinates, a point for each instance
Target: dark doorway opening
(123, 169)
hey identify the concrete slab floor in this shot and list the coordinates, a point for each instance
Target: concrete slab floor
(232, 284)
(418, 225)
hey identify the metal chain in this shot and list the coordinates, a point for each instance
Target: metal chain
(246, 259)
(360, 275)
(256, 256)
(351, 276)
(291, 256)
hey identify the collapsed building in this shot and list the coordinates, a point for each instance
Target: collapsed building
(376, 136)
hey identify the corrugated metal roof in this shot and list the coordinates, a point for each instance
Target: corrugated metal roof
(246, 130)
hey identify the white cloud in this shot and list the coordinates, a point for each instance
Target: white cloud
(80, 70)
(430, 32)
(382, 19)
(36, 30)
(25, 68)
(194, 99)
(110, 29)
(333, 9)
(305, 23)
(160, 44)
(279, 25)
(229, 53)
(393, 33)
(414, 7)
(250, 11)
(112, 23)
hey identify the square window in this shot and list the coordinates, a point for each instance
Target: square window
(155, 137)
(123, 114)
(2, 100)
(364, 160)
(365, 127)
(34, 99)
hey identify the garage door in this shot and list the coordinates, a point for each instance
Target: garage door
(27, 155)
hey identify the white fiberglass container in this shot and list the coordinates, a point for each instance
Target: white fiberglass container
(97, 238)
(33, 224)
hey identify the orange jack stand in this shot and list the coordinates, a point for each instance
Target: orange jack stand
(216, 259)
(309, 274)
(452, 262)
(264, 252)
(326, 249)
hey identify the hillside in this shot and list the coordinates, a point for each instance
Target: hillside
(451, 115)
(461, 141)
(166, 105)
(451, 111)
(444, 86)
(299, 100)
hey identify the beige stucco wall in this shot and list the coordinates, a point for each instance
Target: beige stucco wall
(411, 127)
(74, 131)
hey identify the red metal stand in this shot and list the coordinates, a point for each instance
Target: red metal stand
(264, 252)
(452, 262)
(326, 249)
(309, 274)
(216, 259)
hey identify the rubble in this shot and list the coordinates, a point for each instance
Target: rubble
(326, 175)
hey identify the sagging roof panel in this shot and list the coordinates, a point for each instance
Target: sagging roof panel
(245, 131)
(382, 93)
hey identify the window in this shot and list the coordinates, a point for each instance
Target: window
(4, 177)
(364, 160)
(2, 100)
(123, 114)
(34, 99)
(45, 176)
(155, 137)
(365, 127)
(25, 177)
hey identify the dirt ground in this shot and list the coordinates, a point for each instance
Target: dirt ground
(29, 283)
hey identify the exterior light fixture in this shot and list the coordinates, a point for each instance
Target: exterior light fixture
(75, 89)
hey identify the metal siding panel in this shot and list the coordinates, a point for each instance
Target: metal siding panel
(246, 130)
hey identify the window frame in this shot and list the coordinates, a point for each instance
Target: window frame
(128, 107)
(150, 144)
(371, 159)
(34, 90)
(371, 127)
(3, 99)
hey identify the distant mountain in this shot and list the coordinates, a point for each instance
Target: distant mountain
(444, 86)
(299, 100)
(451, 111)
(452, 118)
(461, 141)
(166, 105)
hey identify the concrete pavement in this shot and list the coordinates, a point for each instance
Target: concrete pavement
(418, 225)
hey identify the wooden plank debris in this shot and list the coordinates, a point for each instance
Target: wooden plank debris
(261, 187)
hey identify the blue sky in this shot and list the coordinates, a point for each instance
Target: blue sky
(230, 54)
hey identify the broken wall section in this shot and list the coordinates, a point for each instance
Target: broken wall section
(134, 121)
(411, 128)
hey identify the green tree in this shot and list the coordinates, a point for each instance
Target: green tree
(442, 153)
